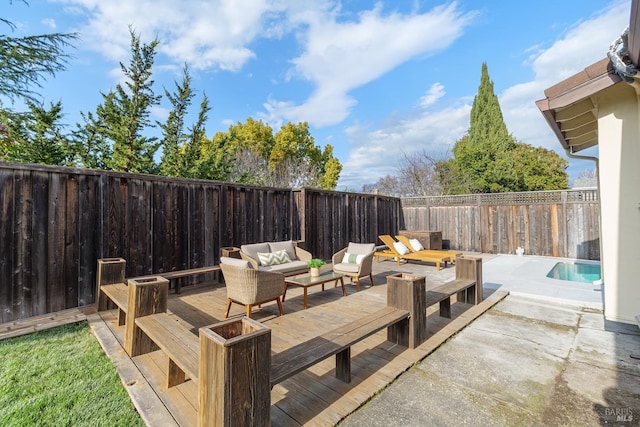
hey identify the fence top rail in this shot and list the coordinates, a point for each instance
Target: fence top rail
(531, 197)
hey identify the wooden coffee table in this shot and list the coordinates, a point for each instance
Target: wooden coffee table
(306, 280)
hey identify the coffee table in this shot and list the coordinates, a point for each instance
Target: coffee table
(306, 280)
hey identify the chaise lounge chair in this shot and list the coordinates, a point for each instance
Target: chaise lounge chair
(435, 252)
(394, 251)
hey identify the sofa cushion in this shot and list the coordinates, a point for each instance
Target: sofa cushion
(361, 248)
(274, 258)
(285, 245)
(252, 250)
(346, 267)
(235, 262)
(290, 267)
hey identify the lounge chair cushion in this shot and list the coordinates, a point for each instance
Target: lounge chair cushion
(286, 245)
(253, 249)
(274, 258)
(416, 245)
(400, 248)
(360, 248)
(235, 262)
(346, 267)
(353, 258)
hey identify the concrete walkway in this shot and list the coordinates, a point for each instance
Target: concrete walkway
(534, 359)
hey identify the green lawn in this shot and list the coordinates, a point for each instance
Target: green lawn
(61, 377)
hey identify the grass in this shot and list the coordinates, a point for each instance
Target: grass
(61, 377)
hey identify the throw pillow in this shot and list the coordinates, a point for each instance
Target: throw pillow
(401, 248)
(352, 258)
(274, 258)
(416, 245)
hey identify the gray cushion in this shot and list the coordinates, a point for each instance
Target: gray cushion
(253, 249)
(293, 266)
(361, 248)
(235, 262)
(346, 268)
(285, 245)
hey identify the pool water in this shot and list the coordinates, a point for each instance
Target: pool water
(575, 272)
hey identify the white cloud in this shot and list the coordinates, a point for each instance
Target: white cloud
(435, 92)
(49, 22)
(377, 153)
(343, 55)
(208, 35)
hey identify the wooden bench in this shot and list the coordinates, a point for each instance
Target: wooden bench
(337, 342)
(175, 277)
(177, 342)
(118, 293)
(467, 285)
(442, 294)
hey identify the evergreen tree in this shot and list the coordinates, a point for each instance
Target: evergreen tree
(35, 136)
(487, 159)
(25, 61)
(120, 120)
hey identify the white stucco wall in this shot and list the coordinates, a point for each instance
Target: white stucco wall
(619, 172)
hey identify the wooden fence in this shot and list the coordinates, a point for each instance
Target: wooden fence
(547, 223)
(56, 222)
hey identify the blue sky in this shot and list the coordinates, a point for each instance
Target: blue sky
(377, 80)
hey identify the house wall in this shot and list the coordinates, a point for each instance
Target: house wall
(619, 173)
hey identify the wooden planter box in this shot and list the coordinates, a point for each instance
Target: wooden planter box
(429, 239)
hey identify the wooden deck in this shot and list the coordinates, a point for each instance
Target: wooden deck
(313, 397)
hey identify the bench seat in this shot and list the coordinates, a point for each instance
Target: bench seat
(118, 293)
(177, 342)
(180, 274)
(465, 288)
(336, 342)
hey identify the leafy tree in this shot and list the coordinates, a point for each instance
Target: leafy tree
(487, 159)
(26, 61)
(35, 136)
(120, 120)
(250, 153)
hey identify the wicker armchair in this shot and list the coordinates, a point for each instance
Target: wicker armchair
(251, 287)
(359, 263)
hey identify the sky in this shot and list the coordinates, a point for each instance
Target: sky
(378, 80)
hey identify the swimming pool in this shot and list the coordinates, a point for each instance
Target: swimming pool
(575, 272)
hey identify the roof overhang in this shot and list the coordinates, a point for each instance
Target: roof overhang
(569, 109)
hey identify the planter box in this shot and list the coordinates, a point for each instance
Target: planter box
(429, 239)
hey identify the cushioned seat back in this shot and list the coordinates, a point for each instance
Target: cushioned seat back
(253, 249)
(285, 245)
(360, 248)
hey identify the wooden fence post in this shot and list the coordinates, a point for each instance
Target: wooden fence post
(468, 267)
(408, 292)
(147, 295)
(234, 386)
(110, 270)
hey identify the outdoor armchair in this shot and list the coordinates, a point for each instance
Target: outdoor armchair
(355, 261)
(250, 287)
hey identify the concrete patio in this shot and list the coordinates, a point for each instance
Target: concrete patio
(542, 356)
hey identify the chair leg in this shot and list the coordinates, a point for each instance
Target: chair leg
(226, 312)
(371, 278)
(280, 306)
(248, 306)
(357, 284)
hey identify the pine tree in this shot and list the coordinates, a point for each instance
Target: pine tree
(119, 122)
